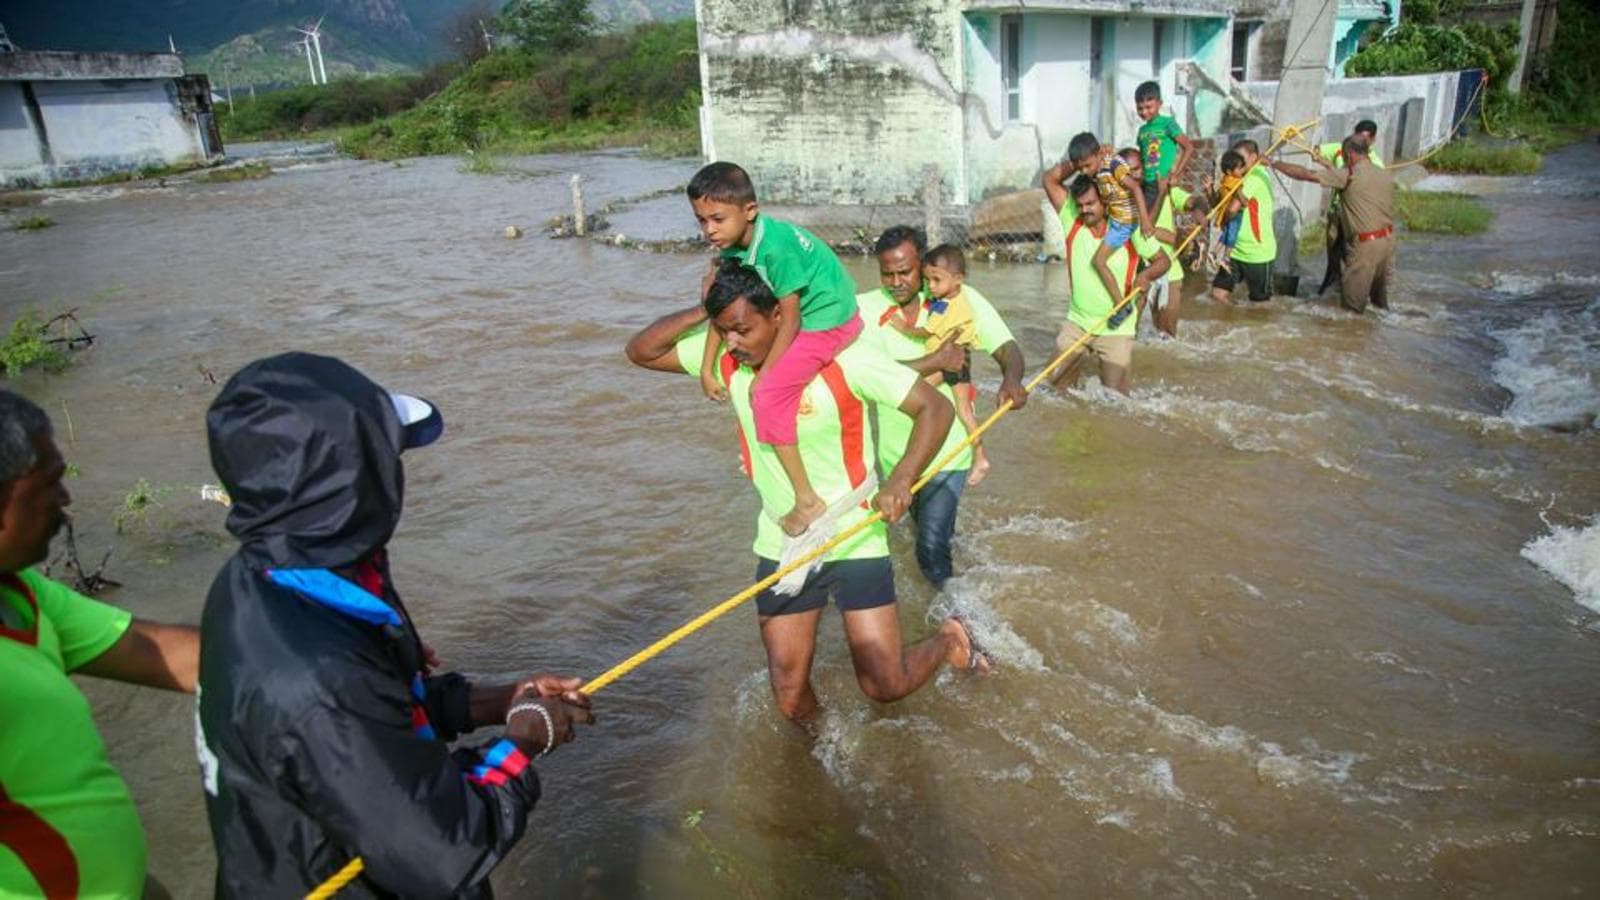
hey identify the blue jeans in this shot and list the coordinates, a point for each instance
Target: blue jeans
(934, 509)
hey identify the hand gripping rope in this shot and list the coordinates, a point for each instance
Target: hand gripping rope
(353, 868)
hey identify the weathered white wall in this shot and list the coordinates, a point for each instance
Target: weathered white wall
(109, 124)
(19, 146)
(1131, 45)
(1055, 92)
(840, 103)
(93, 128)
(996, 155)
(1349, 100)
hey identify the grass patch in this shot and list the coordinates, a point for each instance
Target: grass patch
(137, 505)
(246, 172)
(1478, 157)
(27, 346)
(1313, 238)
(34, 223)
(305, 110)
(1440, 212)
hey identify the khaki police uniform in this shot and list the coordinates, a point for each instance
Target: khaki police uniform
(1367, 209)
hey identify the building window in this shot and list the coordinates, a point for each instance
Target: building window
(1011, 65)
(1241, 50)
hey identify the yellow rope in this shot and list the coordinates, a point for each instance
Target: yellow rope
(354, 867)
(340, 878)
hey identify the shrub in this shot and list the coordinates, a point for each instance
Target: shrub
(26, 346)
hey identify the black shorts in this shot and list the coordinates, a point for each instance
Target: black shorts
(1257, 277)
(962, 377)
(853, 584)
(1152, 190)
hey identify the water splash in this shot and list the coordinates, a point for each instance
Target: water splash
(1572, 557)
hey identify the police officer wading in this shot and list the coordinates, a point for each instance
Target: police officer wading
(1368, 214)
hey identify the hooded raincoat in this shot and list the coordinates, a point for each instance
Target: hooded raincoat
(320, 737)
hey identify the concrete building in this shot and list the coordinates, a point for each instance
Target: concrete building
(67, 116)
(853, 102)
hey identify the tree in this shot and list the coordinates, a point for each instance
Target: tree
(554, 25)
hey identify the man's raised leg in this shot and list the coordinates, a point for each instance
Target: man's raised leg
(791, 642)
(887, 671)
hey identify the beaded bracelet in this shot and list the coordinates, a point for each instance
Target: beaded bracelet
(549, 724)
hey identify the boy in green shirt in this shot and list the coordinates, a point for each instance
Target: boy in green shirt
(1164, 146)
(818, 300)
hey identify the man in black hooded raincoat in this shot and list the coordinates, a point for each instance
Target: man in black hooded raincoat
(322, 735)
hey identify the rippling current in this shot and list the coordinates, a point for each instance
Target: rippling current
(1316, 611)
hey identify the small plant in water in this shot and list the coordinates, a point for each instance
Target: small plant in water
(34, 223)
(137, 504)
(26, 346)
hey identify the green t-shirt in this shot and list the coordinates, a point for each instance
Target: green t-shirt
(1158, 141)
(835, 438)
(894, 426)
(1257, 242)
(1146, 247)
(792, 260)
(65, 807)
(1090, 302)
(1334, 153)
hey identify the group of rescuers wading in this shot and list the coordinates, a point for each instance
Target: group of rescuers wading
(324, 725)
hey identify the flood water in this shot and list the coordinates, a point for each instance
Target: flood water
(1315, 612)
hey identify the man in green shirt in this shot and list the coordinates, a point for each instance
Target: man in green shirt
(1110, 340)
(836, 446)
(1251, 260)
(890, 314)
(67, 825)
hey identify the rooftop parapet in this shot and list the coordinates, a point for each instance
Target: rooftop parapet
(71, 65)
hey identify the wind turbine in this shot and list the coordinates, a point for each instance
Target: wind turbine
(314, 35)
(305, 47)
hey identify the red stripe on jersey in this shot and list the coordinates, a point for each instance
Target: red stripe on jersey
(852, 423)
(43, 850)
(729, 366)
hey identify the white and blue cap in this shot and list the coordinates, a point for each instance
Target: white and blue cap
(420, 421)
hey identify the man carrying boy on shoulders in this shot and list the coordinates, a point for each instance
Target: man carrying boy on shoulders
(835, 443)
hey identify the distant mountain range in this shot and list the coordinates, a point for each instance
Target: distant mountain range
(255, 39)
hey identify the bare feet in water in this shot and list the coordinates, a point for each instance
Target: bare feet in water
(980, 468)
(806, 511)
(967, 655)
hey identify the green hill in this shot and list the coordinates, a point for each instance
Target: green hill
(638, 87)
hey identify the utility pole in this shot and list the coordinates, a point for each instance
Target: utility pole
(1524, 46)
(227, 84)
(1300, 90)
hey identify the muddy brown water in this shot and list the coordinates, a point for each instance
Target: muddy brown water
(1308, 615)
